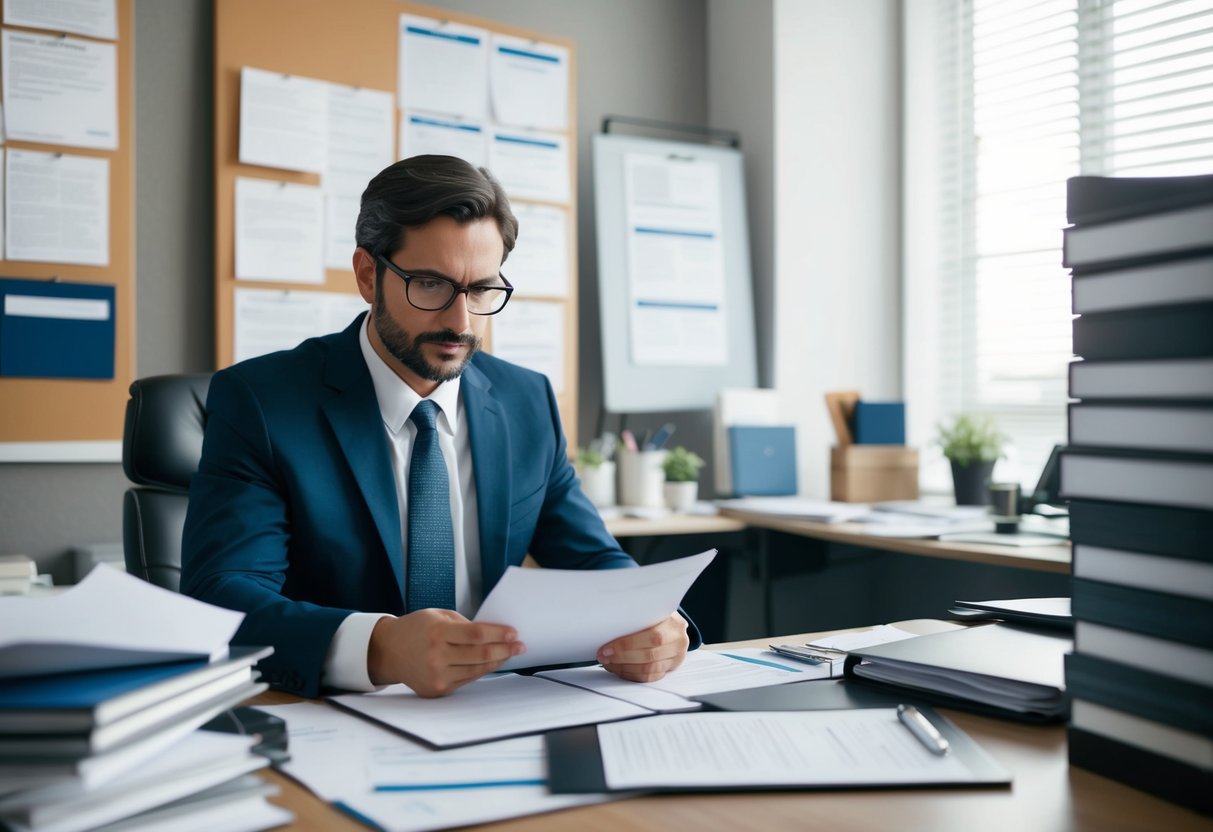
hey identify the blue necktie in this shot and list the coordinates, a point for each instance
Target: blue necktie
(431, 557)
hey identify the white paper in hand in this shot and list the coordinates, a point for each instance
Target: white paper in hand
(565, 615)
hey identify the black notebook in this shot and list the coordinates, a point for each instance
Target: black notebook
(1011, 671)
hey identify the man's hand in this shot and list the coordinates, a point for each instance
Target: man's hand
(436, 651)
(648, 655)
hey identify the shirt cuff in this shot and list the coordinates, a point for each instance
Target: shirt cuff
(345, 663)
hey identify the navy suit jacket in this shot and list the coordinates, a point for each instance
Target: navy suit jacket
(293, 515)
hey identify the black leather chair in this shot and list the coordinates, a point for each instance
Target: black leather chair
(161, 445)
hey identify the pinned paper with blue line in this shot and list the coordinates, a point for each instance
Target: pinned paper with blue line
(56, 330)
(675, 260)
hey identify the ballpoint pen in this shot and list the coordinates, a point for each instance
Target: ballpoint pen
(922, 729)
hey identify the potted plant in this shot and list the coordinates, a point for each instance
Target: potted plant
(681, 478)
(972, 442)
(597, 475)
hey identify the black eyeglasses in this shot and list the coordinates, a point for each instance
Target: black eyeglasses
(433, 294)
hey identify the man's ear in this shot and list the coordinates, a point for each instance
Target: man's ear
(364, 272)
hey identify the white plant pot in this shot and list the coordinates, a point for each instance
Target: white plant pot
(680, 496)
(598, 483)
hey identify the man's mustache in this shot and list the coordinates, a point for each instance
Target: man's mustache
(446, 337)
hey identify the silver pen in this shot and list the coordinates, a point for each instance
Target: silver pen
(922, 729)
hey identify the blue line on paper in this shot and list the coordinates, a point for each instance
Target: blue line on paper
(762, 662)
(433, 122)
(430, 33)
(434, 787)
(522, 53)
(665, 304)
(517, 140)
(705, 235)
(356, 815)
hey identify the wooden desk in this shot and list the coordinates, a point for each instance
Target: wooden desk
(1046, 795)
(673, 524)
(1054, 558)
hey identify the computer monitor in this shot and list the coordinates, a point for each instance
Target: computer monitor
(1048, 487)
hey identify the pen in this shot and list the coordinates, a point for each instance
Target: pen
(922, 729)
(792, 651)
(629, 441)
(662, 436)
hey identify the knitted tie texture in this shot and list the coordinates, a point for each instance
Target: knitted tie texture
(430, 581)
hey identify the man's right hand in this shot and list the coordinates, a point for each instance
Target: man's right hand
(436, 651)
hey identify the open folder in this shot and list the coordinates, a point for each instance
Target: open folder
(865, 748)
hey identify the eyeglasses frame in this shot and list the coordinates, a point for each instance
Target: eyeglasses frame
(457, 289)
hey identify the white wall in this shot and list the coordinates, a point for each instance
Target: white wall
(837, 207)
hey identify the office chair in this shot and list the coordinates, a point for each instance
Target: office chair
(161, 445)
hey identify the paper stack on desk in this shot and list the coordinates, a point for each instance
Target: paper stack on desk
(102, 691)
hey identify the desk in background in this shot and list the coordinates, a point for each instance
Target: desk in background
(1054, 559)
(1046, 794)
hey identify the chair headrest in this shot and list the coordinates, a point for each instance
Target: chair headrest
(162, 440)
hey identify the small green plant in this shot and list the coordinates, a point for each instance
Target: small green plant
(588, 458)
(971, 438)
(682, 465)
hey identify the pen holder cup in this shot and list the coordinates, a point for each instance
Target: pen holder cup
(598, 483)
(641, 478)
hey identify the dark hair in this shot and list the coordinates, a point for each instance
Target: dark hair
(414, 191)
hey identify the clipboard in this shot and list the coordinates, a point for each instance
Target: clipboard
(576, 763)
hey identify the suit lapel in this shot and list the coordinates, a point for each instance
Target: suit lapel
(353, 413)
(489, 438)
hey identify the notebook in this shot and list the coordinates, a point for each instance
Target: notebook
(763, 460)
(1010, 671)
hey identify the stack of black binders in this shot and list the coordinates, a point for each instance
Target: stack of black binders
(1139, 477)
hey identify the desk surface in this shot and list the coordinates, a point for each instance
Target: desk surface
(1040, 558)
(1046, 795)
(673, 524)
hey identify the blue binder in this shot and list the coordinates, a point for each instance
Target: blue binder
(763, 459)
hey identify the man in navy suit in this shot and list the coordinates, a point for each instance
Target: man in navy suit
(299, 514)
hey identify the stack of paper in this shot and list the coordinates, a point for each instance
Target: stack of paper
(100, 724)
(17, 573)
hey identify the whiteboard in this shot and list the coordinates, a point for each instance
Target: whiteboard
(659, 355)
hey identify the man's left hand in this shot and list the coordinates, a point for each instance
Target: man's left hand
(650, 654)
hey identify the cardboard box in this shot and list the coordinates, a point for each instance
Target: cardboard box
(873, 473)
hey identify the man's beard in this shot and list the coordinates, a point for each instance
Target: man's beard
(407, 350)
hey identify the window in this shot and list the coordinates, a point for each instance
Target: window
(1029, 93)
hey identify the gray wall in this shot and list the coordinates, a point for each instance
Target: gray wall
(634, 57)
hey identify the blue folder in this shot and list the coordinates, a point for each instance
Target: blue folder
(880, 423)
(763, 460)
(56, 330)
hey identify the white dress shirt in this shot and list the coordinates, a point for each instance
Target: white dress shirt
(345, 665)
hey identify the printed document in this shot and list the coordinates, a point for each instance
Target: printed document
(267, 320)
(95, 18)
(279, 231)
(491, 708)
(703, 672)
(565, 615)
(422, 133)
(56, 208)
(771, 748)
(60, 90)
(443, 67)
(283, 120)
(539, 264)
(531, 164)
(532, 336)
(78, 630)
(362, 767)
(529, 83)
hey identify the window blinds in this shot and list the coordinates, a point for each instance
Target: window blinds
(1038, 91)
